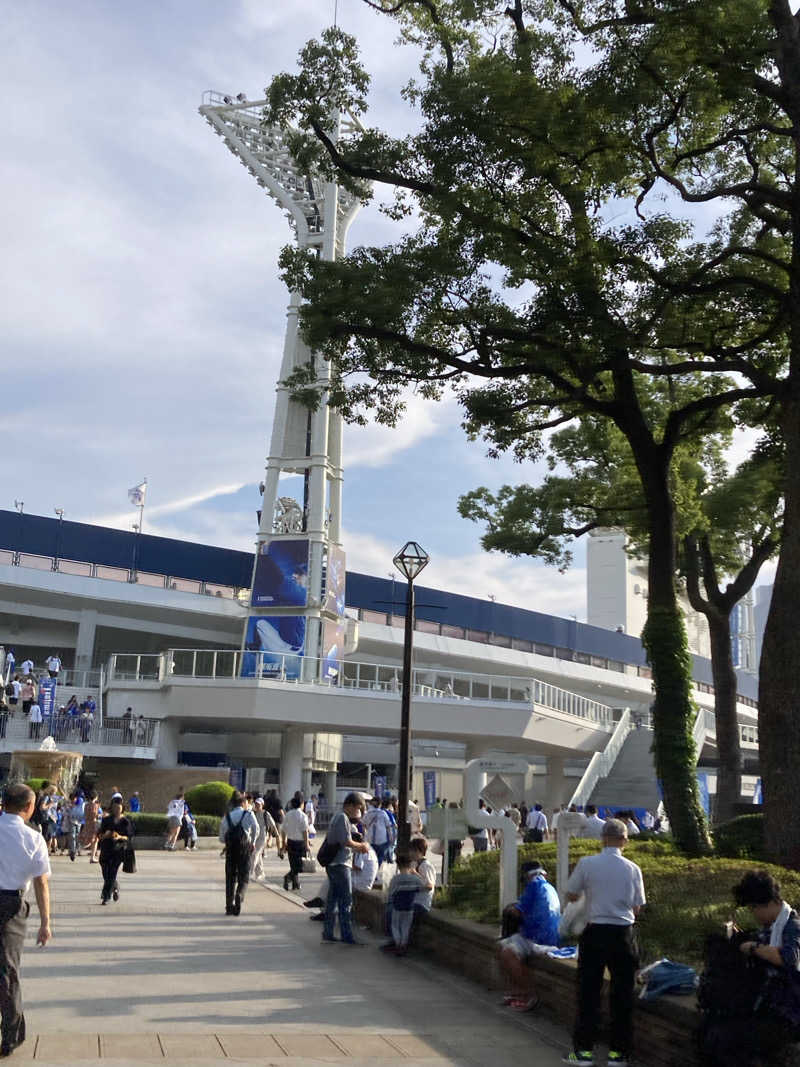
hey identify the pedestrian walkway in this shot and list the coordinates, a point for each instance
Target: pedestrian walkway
(165, 975)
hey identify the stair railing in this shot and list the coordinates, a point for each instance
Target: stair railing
(601, 763)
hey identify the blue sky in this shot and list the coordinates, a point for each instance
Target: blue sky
(143, 316)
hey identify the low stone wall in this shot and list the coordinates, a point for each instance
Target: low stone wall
(663, 1029)
(151, 842)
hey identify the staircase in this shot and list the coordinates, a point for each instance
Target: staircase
(632, 781)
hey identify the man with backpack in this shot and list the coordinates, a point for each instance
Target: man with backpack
(336, 856)
(238, 831)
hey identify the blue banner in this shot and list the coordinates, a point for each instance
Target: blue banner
(429, 785)
(332, 648)
(281, 575)
(47, 696)
(702, 788)
(758, 793)
(280, 639)
(334, 580)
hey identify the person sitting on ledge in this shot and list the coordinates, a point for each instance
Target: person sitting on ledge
(539, 913)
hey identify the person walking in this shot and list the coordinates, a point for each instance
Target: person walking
(115, 835)
(340, 870)
(174, 818)
(91, 815)
(295, 827)
(614, 894)
(238, 831)
(72, 825)
(23, 857)
(257, 858)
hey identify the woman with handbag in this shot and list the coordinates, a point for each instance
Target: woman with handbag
(115, 836)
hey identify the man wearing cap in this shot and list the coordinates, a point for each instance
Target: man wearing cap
(23, 856)
(614, 894)
(539, 912)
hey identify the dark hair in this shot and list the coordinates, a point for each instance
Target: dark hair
(537, 807)
(403, 859)
(419, 844)
(352, 798)
(756, 888)
(590, 809)
(17, 797)
(295, 802)
(236, 799)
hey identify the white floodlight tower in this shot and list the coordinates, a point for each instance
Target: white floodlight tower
(308, 443)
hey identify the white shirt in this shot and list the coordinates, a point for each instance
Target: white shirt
(247, 819)
(632, 827)
(537, 820)
(365, 869)
(54, 664)
(613, 887)
(378, 826)
(175, 808)
(23, 853)
(427, 873)
(310, 813)
(27, 666)
(35, 714)
(295, 825)
(17, 688)
(593, 827)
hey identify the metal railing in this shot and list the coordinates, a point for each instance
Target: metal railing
(601, 763)
(68, 731)
(77, 680)
(374, 678)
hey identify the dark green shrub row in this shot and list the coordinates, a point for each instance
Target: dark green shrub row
(149, 824)
(211, 798)
(741, 838)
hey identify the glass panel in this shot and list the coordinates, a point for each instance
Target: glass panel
(500, 639)
(478, 635)
(6, 557)
(37, 563)
(564, 653)
(73, 566)
(426, 627)
(499, 692)
(615, 665)
(581, 657)
(543, 650)
(113, 574)
(226, 664)
(374, 616)
(226, 591)
(460, 687)
(184, 585)
(183, 659)
(522, 646)
(205, 664)
(452, 631)
(156, 581)
(398, 620)
(480, 690)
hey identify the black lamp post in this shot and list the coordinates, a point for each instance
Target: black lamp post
(410, 560)
(60, 513)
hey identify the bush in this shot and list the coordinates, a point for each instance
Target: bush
(741, 838)
(150, 824)
(686, 898)
(35, 783)
(212, 798)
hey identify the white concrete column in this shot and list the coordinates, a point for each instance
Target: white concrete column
(306, 779)
(557, 787)
(169, 734)
(330, 789)
(292, 743)
(84, 646)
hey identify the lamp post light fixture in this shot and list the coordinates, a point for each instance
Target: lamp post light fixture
(20, 506)
(410, 561)
(60, 513)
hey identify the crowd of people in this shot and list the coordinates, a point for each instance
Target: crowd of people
(21, 695)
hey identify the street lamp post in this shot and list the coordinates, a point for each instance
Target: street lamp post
(410, 560)
(60, 513)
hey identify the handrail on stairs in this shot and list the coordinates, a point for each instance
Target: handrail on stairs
(601, 763)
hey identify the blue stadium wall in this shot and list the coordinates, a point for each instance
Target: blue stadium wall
(39, 535)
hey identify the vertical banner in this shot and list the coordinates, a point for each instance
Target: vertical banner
(332, 648)
(280, 639)
(702, 787)
(335, 580)
(47, 696)
(758, 792)
(429, 785)
(281, 575)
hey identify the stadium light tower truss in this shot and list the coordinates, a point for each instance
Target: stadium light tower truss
(308, 443)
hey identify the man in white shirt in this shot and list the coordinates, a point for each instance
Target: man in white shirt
(23, 856)
(593, 826)
(378, 828)
(35, 721)
(238, 830)
(614, 894)
(26, 667)
(536, 825)
(53, 665)
(295, 828)
(174, 816)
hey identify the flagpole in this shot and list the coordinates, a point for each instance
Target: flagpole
(141, 506)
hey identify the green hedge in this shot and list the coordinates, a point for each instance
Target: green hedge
(211, 798)
(150, 824)
(686, 898)
(35, 783)
(741, 838)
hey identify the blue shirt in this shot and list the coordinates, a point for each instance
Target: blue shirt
(133, 804)
(541, 911)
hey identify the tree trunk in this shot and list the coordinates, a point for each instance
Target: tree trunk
(664, 638)
(729, 772)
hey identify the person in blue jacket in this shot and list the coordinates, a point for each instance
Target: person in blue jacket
(539, 911)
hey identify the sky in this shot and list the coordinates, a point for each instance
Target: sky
(142, 312)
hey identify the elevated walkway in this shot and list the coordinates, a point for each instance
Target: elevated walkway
(115, 739)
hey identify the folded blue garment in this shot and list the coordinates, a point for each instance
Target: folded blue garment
(665, 977)
(568, 953)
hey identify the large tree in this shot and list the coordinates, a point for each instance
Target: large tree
(552, 272)
(727, 525)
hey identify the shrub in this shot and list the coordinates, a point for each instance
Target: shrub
(741, 838)
(35, 783)
(212, 798)
(151, 824)
(686, 898)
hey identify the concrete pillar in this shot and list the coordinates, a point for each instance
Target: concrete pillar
(292, 743)
(330, 789)
(169, 733)
(557, 788)
(84, 645)
(306, 779)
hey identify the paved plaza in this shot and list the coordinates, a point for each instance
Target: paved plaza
(165, 975)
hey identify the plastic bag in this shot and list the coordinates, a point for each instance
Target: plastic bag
(573, 919)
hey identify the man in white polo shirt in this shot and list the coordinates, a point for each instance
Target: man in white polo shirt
(614, 894)
(23, 856)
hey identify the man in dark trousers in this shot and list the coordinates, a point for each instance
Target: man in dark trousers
(23, 856)
(614, 894)
(238, 830)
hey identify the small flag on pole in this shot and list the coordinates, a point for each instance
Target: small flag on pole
(136, 495)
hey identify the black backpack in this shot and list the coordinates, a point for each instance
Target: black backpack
(731, 985)
(10, 689)
(328, 851)
(236, 835)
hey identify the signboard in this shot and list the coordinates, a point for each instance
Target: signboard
(281, 576)
(333, 634)
(335, 580)
(47, 696)
(280, 639)
(498, 794)
(448, 824)
(429, 785)
(501, 765)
